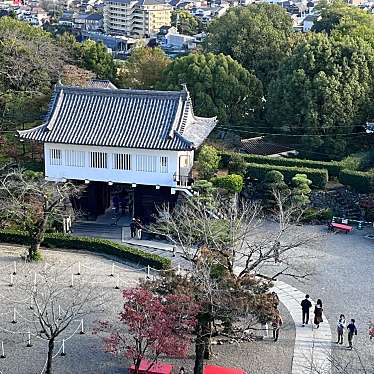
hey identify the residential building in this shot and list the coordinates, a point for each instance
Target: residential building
(139, 142)
(139, 18)
(175, 39)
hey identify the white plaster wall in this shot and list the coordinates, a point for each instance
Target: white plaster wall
(112, 175)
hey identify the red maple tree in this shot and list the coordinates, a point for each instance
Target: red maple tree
(155, 325)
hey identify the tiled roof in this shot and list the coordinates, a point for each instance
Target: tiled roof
(122, 118)
(258, 146)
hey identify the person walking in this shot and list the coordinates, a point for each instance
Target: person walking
(133, 228)
(352, 330)
(318, 313)
(340, 328)
(276, 324)
(305, 306)
(182, 371)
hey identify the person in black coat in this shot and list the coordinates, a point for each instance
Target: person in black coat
(318, 310)
(305, 306)
(133, 228)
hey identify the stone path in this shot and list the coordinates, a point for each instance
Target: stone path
(312, 346)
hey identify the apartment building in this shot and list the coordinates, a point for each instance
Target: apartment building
(136, 18)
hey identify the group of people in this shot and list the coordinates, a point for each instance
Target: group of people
(341, 324)
(136, 228)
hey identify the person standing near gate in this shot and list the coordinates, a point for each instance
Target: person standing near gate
(133, 228)
(305, 307)
(139, 228)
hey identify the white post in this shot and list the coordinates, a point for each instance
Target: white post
(35, 279)
(148, 270)
(2, 350)
(11, 280)
(31, 303)
(117, 283)
(72, 280)
(179, 269)
(15, 268)
(14, 316)
(82, 328)
(63, 348)
(112, 273)
(29, 340)
(79, 268)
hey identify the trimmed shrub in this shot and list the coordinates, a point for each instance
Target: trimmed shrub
(333, 167)
(207, 161)
(233, 183)
(59, 240)
(359, 180)
(319, 177)
(236, 164)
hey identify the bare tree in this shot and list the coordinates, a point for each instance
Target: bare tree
(239, 235)
(58, 306)
(234, 254)
(33, 204)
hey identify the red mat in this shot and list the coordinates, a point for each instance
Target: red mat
(220, 370)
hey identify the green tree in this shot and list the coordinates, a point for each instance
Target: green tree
(143, 68)
(301, 189)
(256, 35)
(95, 57)
(219, 86)
(29, 59)
(185, 22)
(208, 161)
(338, 16)
(322, 92)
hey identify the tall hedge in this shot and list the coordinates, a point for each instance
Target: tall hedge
(90, 244)
(333, 167)
(359, 180)
(319, 177)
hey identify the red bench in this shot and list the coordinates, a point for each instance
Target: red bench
(340, 226)
(156, 368)
(222, 370)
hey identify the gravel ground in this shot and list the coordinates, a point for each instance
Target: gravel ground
(259, 357)
(85, 352)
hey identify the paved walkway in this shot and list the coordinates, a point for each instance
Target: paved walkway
(312, 346)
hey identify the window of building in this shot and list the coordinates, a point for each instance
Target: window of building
(55, 156)
(122, 161)
(74, 158)
(99, 160)
(164, 164)
(146, 163)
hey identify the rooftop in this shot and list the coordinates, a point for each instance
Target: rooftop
(258, 146)
(122, 118)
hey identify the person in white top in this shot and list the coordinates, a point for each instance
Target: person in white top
(340, 328)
